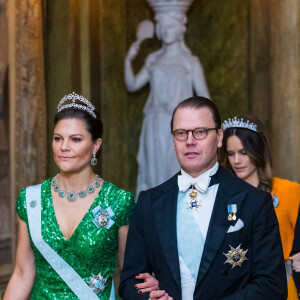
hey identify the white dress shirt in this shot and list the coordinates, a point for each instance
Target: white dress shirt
(202, 215)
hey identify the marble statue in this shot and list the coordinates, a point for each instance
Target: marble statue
(174, 74)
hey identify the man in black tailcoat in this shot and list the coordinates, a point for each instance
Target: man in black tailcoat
(204, 233)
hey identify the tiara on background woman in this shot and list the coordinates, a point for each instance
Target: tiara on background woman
(73, 100)
(240, 123)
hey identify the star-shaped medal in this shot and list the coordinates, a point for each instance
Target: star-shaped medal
(97, 283)
(236, 256)
(194, 204)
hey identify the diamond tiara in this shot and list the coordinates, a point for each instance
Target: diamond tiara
(240, 123)
(73, 100)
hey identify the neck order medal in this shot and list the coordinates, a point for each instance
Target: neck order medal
(193, 203)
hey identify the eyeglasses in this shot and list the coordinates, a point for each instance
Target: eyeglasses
(181, 135)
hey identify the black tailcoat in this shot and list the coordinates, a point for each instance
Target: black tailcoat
(152, 245)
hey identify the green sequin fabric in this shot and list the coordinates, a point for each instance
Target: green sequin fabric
(90, 250)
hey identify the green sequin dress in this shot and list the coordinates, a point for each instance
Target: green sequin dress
(90, 250)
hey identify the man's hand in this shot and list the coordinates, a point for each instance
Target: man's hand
(160, 295)
(296, 262)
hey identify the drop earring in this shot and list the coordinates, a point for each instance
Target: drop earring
(94, 160)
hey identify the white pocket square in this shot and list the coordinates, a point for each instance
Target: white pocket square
(238, 225)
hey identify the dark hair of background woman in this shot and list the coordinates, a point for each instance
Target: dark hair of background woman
(257, 147)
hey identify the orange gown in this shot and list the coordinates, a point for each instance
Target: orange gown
(288, 195)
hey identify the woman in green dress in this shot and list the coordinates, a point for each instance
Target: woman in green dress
(83, 219)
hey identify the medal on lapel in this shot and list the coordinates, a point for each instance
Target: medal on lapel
(275, 200)
(235, 256)
(232, 209)
(193, 203)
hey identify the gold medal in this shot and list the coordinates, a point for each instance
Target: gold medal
(193, 194)
(193, 203)
(232, 209)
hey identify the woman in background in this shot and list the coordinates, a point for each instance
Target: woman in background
(246, 151)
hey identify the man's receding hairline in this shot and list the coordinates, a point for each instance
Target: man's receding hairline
(194, 108)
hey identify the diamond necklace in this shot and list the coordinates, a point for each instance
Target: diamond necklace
(73, 196)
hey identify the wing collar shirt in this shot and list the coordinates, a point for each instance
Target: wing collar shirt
(192, 225)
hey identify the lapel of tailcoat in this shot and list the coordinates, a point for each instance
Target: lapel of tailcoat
(219, 223)
(164, 207)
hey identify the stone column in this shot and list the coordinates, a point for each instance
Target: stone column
(259, 61)
(285, 87)
(27, 109)
(114, 105)
(5, 228)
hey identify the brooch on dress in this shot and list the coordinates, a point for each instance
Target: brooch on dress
(103, 217)
(33, 203)
(97, 283)
(275, 200)
(235, 256)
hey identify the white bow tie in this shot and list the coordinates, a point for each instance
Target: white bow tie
(201, 184)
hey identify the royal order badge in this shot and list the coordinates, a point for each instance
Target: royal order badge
(193, 203)
(236, 256)
(103, 217)
(97, 283)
